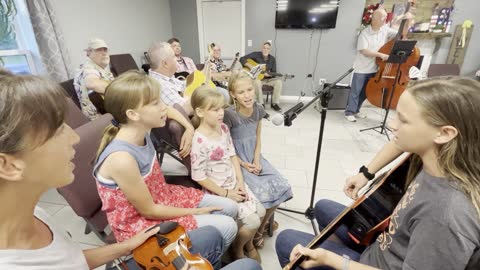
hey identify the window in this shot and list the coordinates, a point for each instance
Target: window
(18, 47)
(18, 61)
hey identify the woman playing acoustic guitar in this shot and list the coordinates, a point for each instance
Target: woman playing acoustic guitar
(436, 223)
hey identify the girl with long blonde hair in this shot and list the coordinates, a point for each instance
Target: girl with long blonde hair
(216, 167)
(436, 224)
(244, 119)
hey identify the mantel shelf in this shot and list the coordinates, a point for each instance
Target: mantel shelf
(429, 35)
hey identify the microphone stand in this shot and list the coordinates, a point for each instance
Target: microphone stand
(325, 95)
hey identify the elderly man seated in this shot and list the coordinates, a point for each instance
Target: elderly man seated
(163, 65)
(93, 75)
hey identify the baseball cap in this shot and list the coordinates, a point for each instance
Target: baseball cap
(96, 43)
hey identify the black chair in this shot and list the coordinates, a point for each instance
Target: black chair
(120, 63)
(70, 90)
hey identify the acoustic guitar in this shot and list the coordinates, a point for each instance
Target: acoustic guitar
(182, 75)
(251, 66)
(199, 77)
(235, 60)
(168, 250)
(370, 214)
(223, 83)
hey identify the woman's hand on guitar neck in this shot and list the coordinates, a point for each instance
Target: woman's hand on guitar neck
(353, 184)
(313, 257)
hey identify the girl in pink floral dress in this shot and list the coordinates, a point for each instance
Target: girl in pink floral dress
(215, 166)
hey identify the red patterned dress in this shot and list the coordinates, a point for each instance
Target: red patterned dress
(123, 218)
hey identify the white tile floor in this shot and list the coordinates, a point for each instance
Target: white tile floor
(292, 150)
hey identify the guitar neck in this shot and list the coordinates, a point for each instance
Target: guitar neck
(234, 61)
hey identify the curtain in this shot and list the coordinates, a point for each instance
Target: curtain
(50, 40)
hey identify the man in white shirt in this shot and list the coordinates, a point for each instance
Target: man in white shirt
(370, 40)
(163, 67)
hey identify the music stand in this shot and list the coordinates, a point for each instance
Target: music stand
(401, 50)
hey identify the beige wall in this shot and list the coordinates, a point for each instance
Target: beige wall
(127, 26)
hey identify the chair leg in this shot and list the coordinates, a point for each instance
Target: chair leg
(270, 225)
(87, 229)
(160, 159)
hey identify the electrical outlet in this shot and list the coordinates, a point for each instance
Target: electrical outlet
(322, 81)
(249, 43)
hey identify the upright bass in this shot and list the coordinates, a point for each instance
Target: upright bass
(380, 86)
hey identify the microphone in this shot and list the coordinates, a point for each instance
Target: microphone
(277, 119)
(287, 117)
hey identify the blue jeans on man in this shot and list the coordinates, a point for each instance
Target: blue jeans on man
(325, 212)
(357, 92)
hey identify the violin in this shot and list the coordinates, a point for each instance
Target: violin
(168, 250)
(379, 87)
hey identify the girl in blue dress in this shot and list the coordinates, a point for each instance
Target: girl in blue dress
(244, 121)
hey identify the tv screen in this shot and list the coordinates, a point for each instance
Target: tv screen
(306, 14)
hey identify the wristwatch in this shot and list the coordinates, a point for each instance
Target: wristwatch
(365, 172)
(346, 262)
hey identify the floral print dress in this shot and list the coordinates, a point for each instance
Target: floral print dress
(211, 158)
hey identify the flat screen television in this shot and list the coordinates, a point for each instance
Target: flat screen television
(306, 14)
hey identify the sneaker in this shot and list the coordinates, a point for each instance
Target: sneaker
(276, 107)
(350, 118)
(267, 116)
(361, 115)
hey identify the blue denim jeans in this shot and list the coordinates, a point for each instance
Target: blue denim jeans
(357, 93)
(223, 220)
(325, 212)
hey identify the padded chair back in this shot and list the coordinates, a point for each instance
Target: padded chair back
(82, 194)
(172, 134)
(443, 70)
(120, 63)
(70, 90)
(75, 117)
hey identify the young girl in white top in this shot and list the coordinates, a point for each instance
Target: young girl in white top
(216, 167)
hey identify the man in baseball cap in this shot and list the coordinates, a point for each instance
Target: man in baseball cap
(93, 75)
(97, 51)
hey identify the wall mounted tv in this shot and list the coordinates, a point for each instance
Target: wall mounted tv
(306, 14)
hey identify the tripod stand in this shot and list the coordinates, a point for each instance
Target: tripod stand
(325, 95)
(401, 50)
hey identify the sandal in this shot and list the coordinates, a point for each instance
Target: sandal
(258, 240)
(275, 227)
(253, 254)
